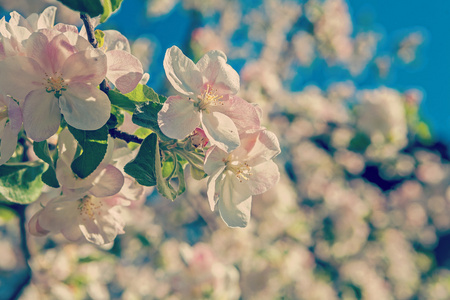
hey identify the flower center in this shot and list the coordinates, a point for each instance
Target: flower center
(88, 208)
(241, 169)
(55, 84)
(208, 97)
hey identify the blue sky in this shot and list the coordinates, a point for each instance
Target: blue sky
(433, 77)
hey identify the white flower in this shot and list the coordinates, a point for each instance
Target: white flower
(207, 97)
(236, 176)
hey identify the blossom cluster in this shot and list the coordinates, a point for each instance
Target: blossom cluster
(239, 158)
(62, 91)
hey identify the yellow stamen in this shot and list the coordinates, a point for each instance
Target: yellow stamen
(55, 84)
(241, 169)
(207, 98)
(88, 208)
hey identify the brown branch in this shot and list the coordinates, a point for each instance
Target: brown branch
(117, 134)
(104, 86)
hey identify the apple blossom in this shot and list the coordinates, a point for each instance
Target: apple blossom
(88, 207)
(55, 78)
(124, 69)
(236, 176)
(207, 97)
(10, 125)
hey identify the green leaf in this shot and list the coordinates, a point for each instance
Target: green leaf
(42, 151)
(142, 167)
(94, 144)
(120, 100)
(116, 4)
(21, 183)
(163, 186)
(143, 93)
(100, 37)
(147, 116)
(92, 7)
(107, 10)
(197, 173)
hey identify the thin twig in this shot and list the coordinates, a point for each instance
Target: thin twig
(117, 134)
(104, 86)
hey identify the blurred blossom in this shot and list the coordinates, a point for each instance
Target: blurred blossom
(362, 207)
(408, 46)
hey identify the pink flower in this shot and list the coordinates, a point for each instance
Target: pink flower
(207, 97)
(56, 79)
(10, 124)
(124, 69)
(88, 207)
(236, 176)
(78, 216)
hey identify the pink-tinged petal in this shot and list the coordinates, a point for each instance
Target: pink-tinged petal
(211, 187)
(46, 18)
(257, 146)
(182, 73)
(218, 73)
(34, 228)
(244, 115)
(87, 66)
(214, 160)
(41, 115)
(79, 42)
(264, 177)
(220, 130)
(84, 106)
(124, 70)
(8, 143)
(49, 50)
(36, 48)
(109, 182)
(59, 213)
(178, 117)
(131, 190)
(265, 146)
(14, 115)
(104, 228)
(27, 69)
(235, 201)
(66, 28)
(114, 40)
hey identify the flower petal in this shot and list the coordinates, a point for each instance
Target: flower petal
(264, 177)
(218, 73)
(178, 117)
(41, 115)
(104, 228)
(124, 70)
(214, 160)
(27, 69)
(244, 115)
(220, 130)
(182, 73)
(211, 187)
(61, 215)
(109, 182)
(84, 106)
(258, 146)
(114, 40)
(235, 201)
(8, 143)
(46, 18)
(87, 66)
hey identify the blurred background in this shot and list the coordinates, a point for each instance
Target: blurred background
(358, 95)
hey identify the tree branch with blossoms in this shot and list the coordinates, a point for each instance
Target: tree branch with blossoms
(78, 85)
